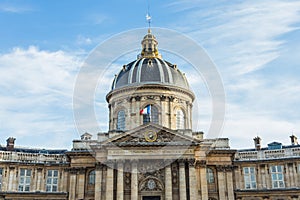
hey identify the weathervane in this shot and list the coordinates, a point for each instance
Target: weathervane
(148, 16)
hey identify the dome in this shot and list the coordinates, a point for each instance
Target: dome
(150, 68)
(150, 71)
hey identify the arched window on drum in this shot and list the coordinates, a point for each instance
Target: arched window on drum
(179, 119)
(150, 114)
(210, 175)
(121, 120)
(92, 175)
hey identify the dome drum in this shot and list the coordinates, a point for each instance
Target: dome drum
(153, 83)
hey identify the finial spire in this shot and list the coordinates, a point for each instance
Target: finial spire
(148, 16)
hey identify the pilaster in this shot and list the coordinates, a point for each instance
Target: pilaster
(221, 183)
(182, 181)
(72, 186)
(120, 182)
(109, 183)
(98, 181)
(134, 181)
(11, 179)
(201, 166)
(192, 180)
(39, 179)
(168, 183)
(81, 183)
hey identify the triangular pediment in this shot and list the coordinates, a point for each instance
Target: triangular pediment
(151, 135)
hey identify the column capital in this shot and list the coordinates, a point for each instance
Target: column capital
(39, 169)
(76, 170)
(225, 168)
(191, 162)
(200, 163)
(110, 163)
(99, 166)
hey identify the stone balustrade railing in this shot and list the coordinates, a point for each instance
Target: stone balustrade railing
(268, 154)
(10, 156)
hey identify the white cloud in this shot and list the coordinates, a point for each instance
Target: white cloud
(97, 18)
(36, 95)
(82, 40)
(14, 8)
(243, 37)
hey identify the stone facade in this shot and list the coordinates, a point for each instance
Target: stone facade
(268, 173)
(150, 151)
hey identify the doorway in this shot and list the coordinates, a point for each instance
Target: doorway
(151, 197)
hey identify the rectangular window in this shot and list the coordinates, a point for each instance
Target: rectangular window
(249, 177)
(52, 181)
(24, 180)
(277, 176)
(1, 171)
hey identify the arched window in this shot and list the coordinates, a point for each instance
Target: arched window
(179, 119)
(121, 120)
(210, 175)
(150, 114)
(92, 177)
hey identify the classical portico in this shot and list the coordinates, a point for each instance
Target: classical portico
(142, 168)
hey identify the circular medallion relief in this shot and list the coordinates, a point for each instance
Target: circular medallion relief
(151, 184)
(150, 136)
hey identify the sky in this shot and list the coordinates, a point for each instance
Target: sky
(254, 44)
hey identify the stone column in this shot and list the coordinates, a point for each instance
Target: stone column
(64, 186)
(109, 183)
(295, 174)
(182, 182)
(81, 183)
(39, 179)
(72, 186)
(193, 181)
(168, 183)
(267, 177)
(201, 166)
(120, 182)
(258, 177)
(263, 176)
(229, 184)
(291, 166)
(287, 175)
(134, 181)
(221, 183)
(11, 179)
(98, 182)
(33, 179)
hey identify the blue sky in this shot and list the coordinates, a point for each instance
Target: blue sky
(255, 45)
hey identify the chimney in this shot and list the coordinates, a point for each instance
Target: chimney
(294, 140)
(10, 145)
(257, 143)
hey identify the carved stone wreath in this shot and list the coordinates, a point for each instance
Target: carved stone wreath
(151, 184)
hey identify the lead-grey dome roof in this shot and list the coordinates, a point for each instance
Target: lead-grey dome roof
(150, 68)
(150, 71)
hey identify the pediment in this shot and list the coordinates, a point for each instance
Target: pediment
(151, 135)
